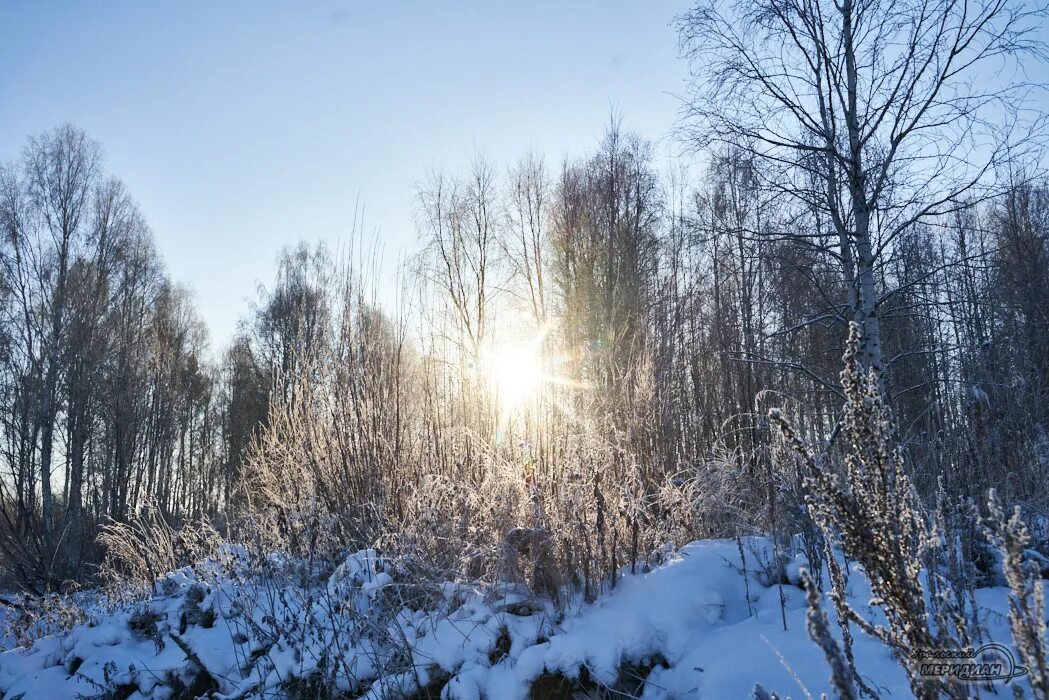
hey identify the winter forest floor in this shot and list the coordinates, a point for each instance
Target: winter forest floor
(704, 624)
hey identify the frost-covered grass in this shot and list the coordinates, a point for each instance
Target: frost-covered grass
(237, 629)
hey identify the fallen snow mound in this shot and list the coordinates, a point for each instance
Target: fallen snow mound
(705, 624)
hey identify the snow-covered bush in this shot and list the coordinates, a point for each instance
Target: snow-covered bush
(1027, 610)
(918, 561)
(872, 511)
(31, 618)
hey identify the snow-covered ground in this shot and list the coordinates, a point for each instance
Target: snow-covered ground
(685, 629)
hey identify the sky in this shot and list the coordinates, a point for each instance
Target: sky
(241, 127)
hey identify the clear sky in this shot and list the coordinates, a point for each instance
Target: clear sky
(242, 126)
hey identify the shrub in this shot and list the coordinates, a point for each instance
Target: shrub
(871, 511)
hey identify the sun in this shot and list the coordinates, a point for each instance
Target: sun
(516, 376)
(522, 378)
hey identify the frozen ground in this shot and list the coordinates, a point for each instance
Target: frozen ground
(685, 629)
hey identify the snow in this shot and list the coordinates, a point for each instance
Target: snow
(688, 627)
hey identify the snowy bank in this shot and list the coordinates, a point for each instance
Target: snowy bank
(704, 624)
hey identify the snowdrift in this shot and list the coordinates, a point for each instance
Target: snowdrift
(707, 624)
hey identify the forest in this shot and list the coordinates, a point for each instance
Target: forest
(820, 335)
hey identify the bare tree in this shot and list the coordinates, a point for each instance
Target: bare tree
(606, 216)
(460, 224)
(103, 381)
(60, 167)
(528, 214)
(869, 113)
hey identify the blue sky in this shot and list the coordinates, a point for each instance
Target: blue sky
(243, 126)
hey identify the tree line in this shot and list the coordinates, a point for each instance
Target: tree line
(109, 399)
(850, 175)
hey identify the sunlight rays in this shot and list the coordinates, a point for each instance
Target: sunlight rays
(522, 376)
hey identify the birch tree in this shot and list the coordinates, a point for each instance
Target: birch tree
(874, 114)
(61, 167)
